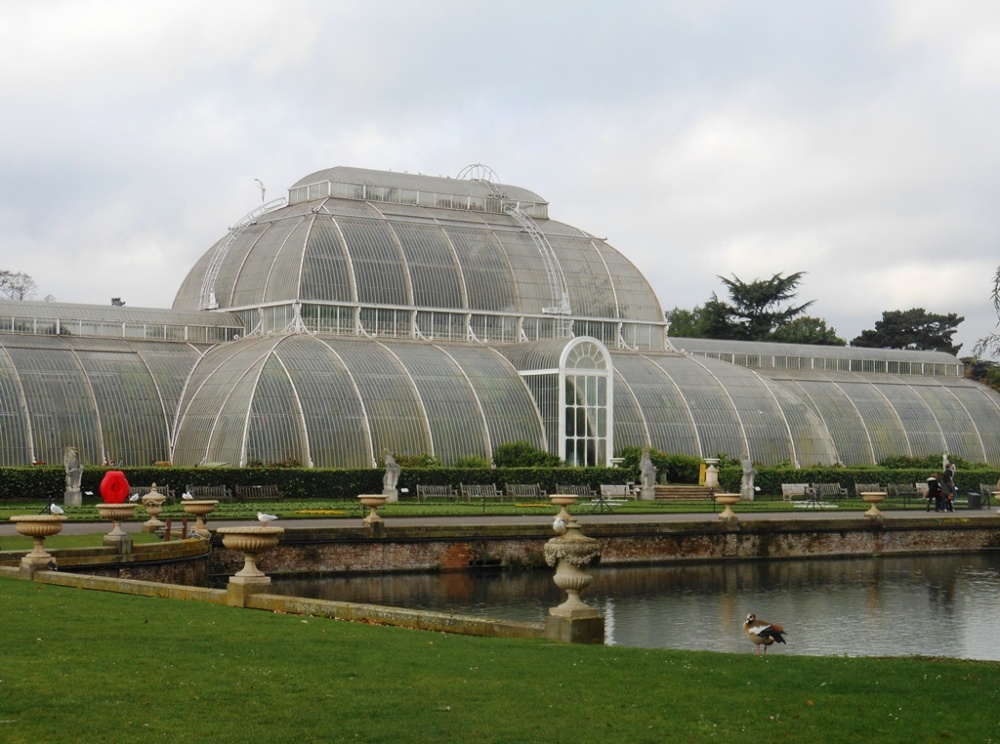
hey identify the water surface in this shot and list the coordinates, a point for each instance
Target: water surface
(929, 605)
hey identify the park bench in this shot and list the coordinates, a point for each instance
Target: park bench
(905, 492)
(521, 491)
(822, 491)
(860, 488)
(986, 491)
(583, 491)
(435, 492)
(616, 491)
(610, 495)
(164, 491)
(481, 492)
(216, 493)
(790, 490)
(267, 492)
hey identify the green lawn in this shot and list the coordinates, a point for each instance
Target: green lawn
(326, 509)
(67, 542)
(82, 666)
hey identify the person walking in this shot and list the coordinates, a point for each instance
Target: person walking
(949, 488)
(934, 494)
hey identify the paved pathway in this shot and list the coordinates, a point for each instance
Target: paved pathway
(82, 528)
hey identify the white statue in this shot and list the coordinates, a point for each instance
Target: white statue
(746, 484)
(74, 473)
(647, 469)
(392, 469)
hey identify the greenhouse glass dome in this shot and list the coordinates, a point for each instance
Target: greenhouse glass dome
(374, 311)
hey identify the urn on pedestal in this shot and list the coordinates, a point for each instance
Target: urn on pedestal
(37, 527)
(152, 502)
(570, 552)
(200, 508)
(117, 513)
(251, 541)
(372, 501)
(873, 498)
(727, 500)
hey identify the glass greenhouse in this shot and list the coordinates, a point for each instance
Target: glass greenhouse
(376, 311)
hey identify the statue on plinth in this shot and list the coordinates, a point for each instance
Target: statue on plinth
(74, 474)
(391, 477)
(746, 483)
(647, 471)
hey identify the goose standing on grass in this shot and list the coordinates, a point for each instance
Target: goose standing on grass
(761, 633)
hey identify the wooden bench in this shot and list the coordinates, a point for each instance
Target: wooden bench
(610, 495)
(904, 492)
(481, 492)
(790, 490)
(164, 491)
(860, 488)
(821, 491)
(216, 493)
(616, 491)
(435, 492)
(583, 491)
(267, 492)
(522, 491)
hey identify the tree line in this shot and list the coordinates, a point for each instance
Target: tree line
(766, 310)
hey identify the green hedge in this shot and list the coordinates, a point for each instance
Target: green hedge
(45, 481)
(770, 479)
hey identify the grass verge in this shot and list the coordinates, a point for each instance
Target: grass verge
(325, 509)
(90, 666)
(68, 542)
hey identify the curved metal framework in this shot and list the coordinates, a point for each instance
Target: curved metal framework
(445, 316)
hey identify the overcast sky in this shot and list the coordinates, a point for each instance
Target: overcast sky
(856, 141)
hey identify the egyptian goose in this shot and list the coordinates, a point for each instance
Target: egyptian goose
(761, 633)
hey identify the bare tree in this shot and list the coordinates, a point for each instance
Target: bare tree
(16, 285)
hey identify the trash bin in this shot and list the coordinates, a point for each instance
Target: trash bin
(975, 501)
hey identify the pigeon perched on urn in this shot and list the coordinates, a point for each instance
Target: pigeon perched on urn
(762, 633)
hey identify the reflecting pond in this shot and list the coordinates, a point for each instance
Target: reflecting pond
(944, 605)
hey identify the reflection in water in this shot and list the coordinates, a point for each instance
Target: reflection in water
(930, 605)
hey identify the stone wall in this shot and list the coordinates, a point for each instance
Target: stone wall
(403, 548)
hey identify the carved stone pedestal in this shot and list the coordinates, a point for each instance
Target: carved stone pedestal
(251, 541)
(152, 502)
(117, 513)
(37, 527)
(573, 621)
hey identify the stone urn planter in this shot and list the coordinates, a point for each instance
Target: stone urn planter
(251, 541)
(712, 472)
(727, 500)
(38, 527)
(152, 502)
(117, 513)
(570, 552)
(562, 500)
(873, 498)
(200, 508)
(372, 501)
